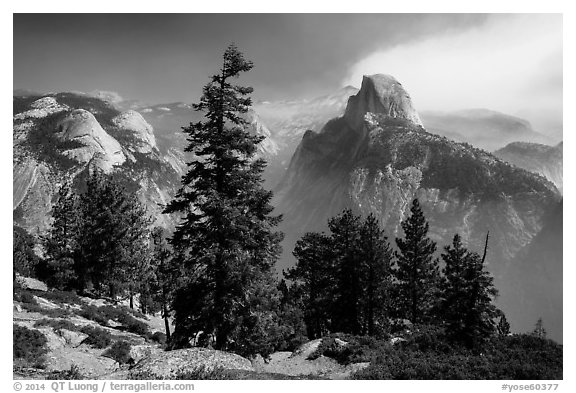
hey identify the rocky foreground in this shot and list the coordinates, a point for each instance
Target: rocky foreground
(69, 348)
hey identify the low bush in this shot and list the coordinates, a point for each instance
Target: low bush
(94, 313)
(63, 297)
(514, 357)
(133, 325)
(24, 296)
(103, 314)
(158, 337)
(119, 351)
(55, 312)
(223, 374)
(72, 374)
(57, 324)
(30, 347)
(351, 349)
(134, 312)
(97, 338)
(49, 312)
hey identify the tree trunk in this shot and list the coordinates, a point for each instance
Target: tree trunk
(166, 322)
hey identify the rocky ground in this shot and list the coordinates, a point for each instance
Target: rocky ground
(67, 348)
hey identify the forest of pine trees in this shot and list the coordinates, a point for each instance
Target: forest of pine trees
(214, 276)
(350, 281)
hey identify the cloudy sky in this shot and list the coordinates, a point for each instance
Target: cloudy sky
(511, 63)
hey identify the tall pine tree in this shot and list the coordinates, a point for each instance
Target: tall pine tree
(376, 276)
(345, 278)
(467, 296)
(226, 238)
(61, 241)
(345, 229)
(313, 281)
(165, 277)
(417, 272)
(112, 237)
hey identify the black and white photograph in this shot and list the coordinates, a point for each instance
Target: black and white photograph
(287, 196)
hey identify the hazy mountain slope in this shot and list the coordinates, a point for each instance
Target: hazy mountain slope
(542, 159)
(289, 120)
(377, 158)
(168, 120)
(538, 294)
(483, 128)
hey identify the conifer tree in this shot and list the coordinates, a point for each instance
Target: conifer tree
(165, 275)
(345, 230)
(503, 325)
(417, 273)
(344, 278)
(112, 237)
(314, 282)
(480, 309)
(24, 262)
(225, 238)
(539, 330)
(376, 264)
(454, 286)
(61, 241)
(467, 296)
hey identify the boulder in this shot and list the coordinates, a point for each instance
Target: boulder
(340, 343)
(397, 340)
(166, 365)
(139, 352)
(33, 284)
(87, 360)
(307, 349)
(72, 338)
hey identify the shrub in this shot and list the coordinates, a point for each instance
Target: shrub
(63, 297)
(49, 312)
(73, 373)
(119, 351)
(31, 305)
(103, 314)
(133, 312)
(158, 337)
(30, 347)
(57, 324)
(430, 338)
(93, 313)
(356, 350)
(55, 312)
(133, 325)
(25, 297)
(515, 357)
(97, 338)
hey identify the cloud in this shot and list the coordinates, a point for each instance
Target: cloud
(110, 96)
(511, 63)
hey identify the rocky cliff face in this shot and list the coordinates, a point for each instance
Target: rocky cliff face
(537, 158)
(380, 94)
(54, 143)
(380, 164)
(79, 127)
(143, 134)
